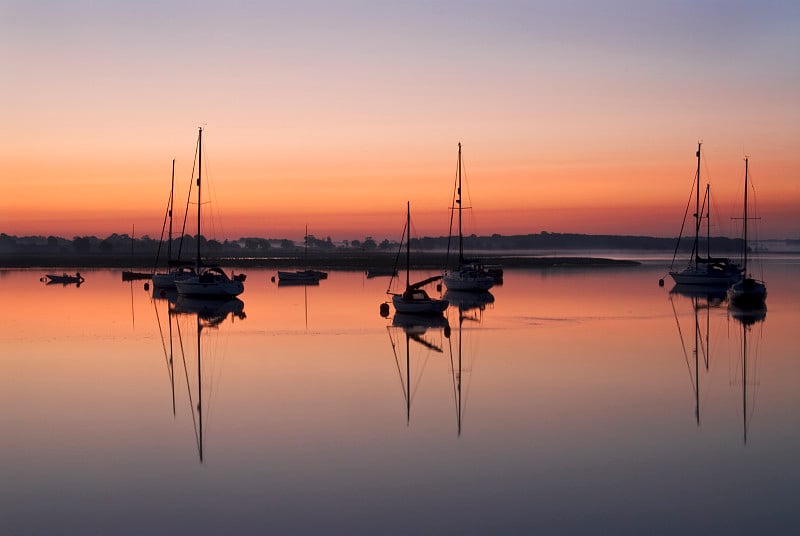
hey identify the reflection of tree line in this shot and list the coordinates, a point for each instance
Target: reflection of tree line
(207, 315)
(704, 301)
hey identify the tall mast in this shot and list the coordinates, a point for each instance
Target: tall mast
(460, 235)
(199, 176)
(697, 218)
(408, 244)
(171, 204)
(708, 222)
(744, 270)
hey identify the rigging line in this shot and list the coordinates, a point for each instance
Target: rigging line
(189, 389)
(217, 365)
(683, 343)
(188, 201)
(452, 211)
(163, 344)
(683, 225)
(397, 258)
(397, 362)
(418, 379)
(163, 226)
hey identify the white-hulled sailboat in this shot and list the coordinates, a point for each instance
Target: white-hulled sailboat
(209, 281)
(176, 270)
(705, 271)
(470, 275)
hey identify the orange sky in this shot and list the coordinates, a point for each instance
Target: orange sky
(573, 119)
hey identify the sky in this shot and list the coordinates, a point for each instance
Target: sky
(575, 116)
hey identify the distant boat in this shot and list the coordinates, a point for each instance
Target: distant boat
(379, 272)
(131, 275)
(208, 281)
(128, 275)
(302, 276)
(748, 293)
(706, 271)
(176, 269)
(470, 275)
(414, 300)
(64, 279)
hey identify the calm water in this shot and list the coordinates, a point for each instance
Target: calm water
(571, 403)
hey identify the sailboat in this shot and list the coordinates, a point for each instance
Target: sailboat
(176, 269)
(132, 275)
(470, 275)
(300, 277)
(414, 300)
(748, 293)
(707, 271)
(208, 281)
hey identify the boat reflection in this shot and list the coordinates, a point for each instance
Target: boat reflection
(204, 317)
(713, 296)
(211, 312)
(748, 318)
(467, 301)
(63, 279)
(417, 328)
(701, 301)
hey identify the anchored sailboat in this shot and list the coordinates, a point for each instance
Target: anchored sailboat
(748, 292)
(470, 275)
(414, 300)
(707, 271)
(177, 269)
(208, 281)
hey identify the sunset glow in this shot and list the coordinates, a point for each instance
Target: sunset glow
(574, 117)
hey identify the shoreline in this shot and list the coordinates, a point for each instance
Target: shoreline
(350, 261)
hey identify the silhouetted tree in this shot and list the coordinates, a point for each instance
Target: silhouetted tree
(369, 244)
(82, 244)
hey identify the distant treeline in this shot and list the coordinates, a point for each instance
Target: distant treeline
(122, 245)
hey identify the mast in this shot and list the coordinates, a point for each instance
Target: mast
(708, 222)
(408, 244)
(460, 233)
(697, 217)
(199, 176)
(171, 204)
(744, 253)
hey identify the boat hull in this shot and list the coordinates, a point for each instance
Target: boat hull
(704, 277)
(209, 284)
(468, 281)
(748, 294)
(418, 307)
(168, 279)
(303, 276)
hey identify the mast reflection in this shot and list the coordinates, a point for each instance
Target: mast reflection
(702, 299)
(204, 316)
(748, 318)
(416, 328)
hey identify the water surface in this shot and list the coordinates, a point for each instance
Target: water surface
(568, 401)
